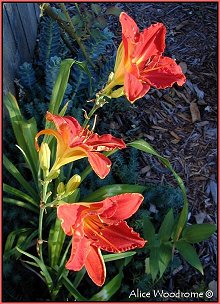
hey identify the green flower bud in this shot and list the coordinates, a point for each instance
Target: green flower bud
(73, 183)
(44, 156)
(61, 188)
(53, 174)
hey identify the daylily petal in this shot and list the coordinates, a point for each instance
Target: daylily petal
(105, 142)
(134, 88)
(95, 266)
(119, 61)
(130, 35)
(71, 216)
(151, 42)
(127, 204)
(99, 163)
(69, 155)
(165, 74)
(130, 29)
(61, 145)
(114, 238)
(71, 123)
(79, 253)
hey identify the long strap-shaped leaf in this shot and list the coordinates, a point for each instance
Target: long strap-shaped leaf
(111, 190)
(109, 289)
(42, 266)
(24, 132)
(20, 204)
(73, 291)
(60, 85)
(14, 191)
(145, 147)
(17, 175)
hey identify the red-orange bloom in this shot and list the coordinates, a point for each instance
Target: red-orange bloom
(139, 62)
(101, 225)
(75, 142)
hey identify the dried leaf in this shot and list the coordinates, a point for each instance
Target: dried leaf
(153, 208)
(159, 128)
(183, 66)
(169, 99)
(145, 169)
(114, 10)
(96, 8)
(195, 112)
(200, 217)
(182, 24)
(213, 188)
(175, 135)
(183, 116)
(213, 288)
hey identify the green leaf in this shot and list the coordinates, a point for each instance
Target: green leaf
(10, 241)
(109, 289)
(17, 175)
(117, 256)
(154, 262)
(96, 8)
(73, 291)
(142, 145)
(112, 190)
(189, 254)
(21, 204)
(149, 231)
(79, 276)
(198, 232)
(42, 267)
(165, 255)
(24, 132)
(29, 131)
(166, 227)
(114, 10)
(14, 191)
(60, 85)
(55, 243)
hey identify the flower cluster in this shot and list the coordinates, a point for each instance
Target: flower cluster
(101, 225)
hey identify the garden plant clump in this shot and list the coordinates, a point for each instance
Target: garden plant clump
(87, 217)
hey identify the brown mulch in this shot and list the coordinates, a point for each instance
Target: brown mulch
(181, 122)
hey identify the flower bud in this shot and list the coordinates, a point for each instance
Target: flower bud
(53, 174)
(44, 156)
(61, 188)
(73, 183)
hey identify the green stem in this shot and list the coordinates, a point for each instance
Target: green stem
(41, 216)
(68, 27)
(87, 119)
(74, 35)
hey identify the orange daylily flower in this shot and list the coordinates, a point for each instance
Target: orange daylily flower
(75, 142)
(100, 225)
(140, 64)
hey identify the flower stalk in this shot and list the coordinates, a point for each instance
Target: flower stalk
(67, 27)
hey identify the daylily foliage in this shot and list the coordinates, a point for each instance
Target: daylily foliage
(139, 63)
(99, 225)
